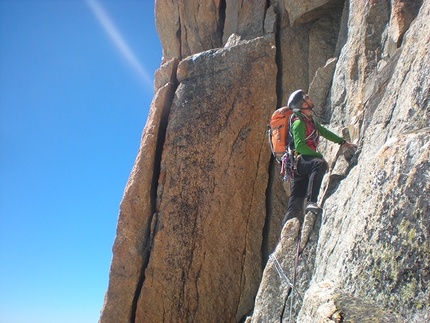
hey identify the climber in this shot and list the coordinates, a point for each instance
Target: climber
(310, 165)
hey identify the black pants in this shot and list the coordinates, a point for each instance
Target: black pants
(305, 185)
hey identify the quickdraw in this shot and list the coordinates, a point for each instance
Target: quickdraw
(289, 164)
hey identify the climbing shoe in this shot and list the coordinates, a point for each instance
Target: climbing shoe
(313, 207)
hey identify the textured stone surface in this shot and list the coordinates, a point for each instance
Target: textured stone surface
(307, 10)
(374, 238)
(324, 303)
(275, 302)
(278, 278)
(187, 27)
(166, 74)
(202, 209)
(167, 22)
(245, 18)
(402, 14)
(305, 47)
(206, 256)
(320, 88)
(132, 241)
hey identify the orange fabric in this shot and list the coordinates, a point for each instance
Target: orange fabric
(279, 130)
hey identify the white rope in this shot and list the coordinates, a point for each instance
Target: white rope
(285, 279)
(280, 271)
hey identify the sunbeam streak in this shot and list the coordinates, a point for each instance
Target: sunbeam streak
(119, 42)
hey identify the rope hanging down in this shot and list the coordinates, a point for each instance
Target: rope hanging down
(284, 276)
(280, 271)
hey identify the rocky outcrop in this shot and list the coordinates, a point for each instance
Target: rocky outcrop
(373, 225)
(199, 236)
(210, 209)
(136, 220)
(325, 303)
(206, 212)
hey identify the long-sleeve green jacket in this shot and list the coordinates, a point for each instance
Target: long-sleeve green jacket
(298, 130)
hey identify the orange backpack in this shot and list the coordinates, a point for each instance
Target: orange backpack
(278, 131)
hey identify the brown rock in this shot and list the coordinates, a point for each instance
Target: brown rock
(202, 209)
(324, 303)
(308, 10)
(206, 257)
(278, 277)
(166, 74)
(133, 237)
(308, 44)
(244, 18)
(187, 27)
(167, 23)
(402, 14)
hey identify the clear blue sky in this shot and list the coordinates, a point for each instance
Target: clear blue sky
(75, 88)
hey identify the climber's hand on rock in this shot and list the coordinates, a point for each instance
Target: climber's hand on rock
(347, 144)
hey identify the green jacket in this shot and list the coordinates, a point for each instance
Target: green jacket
(298, 130)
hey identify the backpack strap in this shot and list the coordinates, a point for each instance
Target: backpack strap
(290, 133)
(312, 136)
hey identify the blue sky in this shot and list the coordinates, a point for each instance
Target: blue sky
(75, 87)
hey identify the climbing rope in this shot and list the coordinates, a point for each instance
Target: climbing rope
(284, 276)
(280, 271)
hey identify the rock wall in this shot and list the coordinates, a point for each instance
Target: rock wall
(199, 235)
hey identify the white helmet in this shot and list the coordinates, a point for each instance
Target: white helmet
(295, 100)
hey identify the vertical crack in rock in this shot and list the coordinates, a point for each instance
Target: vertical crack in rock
(221, 23)
(279, 64)
(285, 305)
(152, 221)
(269, 211)
(179, 37)
(356, 247)
(273, 165)
(146, 253)
(342, 36)
(241, 317)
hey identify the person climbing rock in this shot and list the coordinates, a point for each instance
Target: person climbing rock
(310, 165)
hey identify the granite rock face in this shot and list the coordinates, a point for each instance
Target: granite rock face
(210, 207)
(199, 236)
